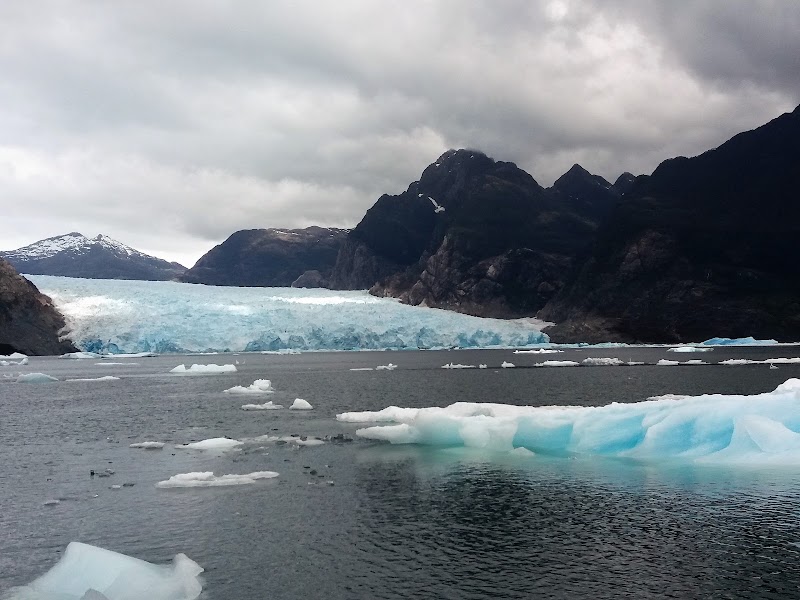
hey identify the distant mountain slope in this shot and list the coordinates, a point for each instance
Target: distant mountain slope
(474, 235)
(270, 257)
(704, 246)
(29, 323)
(75, 255)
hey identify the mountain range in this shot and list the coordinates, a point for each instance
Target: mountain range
(703, 246)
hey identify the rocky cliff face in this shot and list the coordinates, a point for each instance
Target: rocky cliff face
(474, 235)
(29, 323)
(101, 257)
(270, 257)
(705, 246)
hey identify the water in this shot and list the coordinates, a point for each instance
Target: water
(399, 521)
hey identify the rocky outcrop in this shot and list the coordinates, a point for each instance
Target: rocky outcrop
(705, 246)
(29, 323)
(474, 235)
(100, 257)
(268, 257)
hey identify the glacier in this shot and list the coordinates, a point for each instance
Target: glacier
(116, 316)
(89, 572)
(761, 429)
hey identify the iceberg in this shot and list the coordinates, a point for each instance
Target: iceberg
(451, 365)
(104, 378)
(203, 369)
(389, 367)
(91, 573)
(81, 355)
(148, 445)
(507, 365)
(557, 363)
(119, 316)
(259, 386)
(266, 406)
(690, 349)
(601, 362)
(208, 479)
(13, 355)
(300, 404)
(762, 429)
(14, 363)
(220, 443)
(745, 341)
(35, 378)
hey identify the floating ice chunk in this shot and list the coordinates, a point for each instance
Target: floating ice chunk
(507, 365)
(363, 369)
(694, 362)
(35, 378)
(522, 452)
(667, 363)
(80, 355)
(557, 363)
(738, 361)
(208, 479)
(115, 364)
(203, 369)
(601, 362)
(538, 351)
(220, 443)
(14, 363)
(297, 440)
(90, 573)
(745, 341)
(104, 378)
(483, 366)
(266, 406)
(689, 349)
(389, 367)
(300, 404)
(259, 386)
(148, 445)
(13, 355)
(733, 429)
(451, 365)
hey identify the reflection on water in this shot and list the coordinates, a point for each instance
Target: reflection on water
(450, 523)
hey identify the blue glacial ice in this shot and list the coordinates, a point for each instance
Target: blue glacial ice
(89, 572)
(161, 316)
(725, 429)
(745, 341)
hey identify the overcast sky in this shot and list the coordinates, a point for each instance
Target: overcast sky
(170, 125)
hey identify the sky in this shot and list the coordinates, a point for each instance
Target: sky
(170, 125)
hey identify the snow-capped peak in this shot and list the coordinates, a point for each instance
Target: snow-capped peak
(74, 242)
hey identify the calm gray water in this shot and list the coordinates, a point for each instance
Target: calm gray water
(399, 521)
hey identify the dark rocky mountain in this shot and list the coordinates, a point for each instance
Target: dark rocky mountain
(625, 182)
(270, 257)
(75, 255)
(29, 323)
(705, 246)
(474, 235)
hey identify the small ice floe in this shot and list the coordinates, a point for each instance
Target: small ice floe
(690, 349)
(667, 363)
(51, 502)
(81, 355)
(14, 363)
(601, 362)
(131, 355)
(772, 365)
(507, 365)
(115, 364)
(746, 361)
(208, 479)
(389, 367)
(538, 351)
(35, 378)
(522, 452)
(483, 366)
(300, 404)
(266, 406)
(694, 362)
(363, 369)
(105, 378)
(295, 440)
(13, 356)
(148, 445)
(91, 573)
(220, 443)
(259, 386)
(557, 363)
(451, 365)
(203, 369)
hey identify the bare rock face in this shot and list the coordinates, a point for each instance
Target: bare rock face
(705, 246)
(474, 235)
(29, 323)
(310, 279)
(268, 257)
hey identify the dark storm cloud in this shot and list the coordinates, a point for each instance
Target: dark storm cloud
(169, 127)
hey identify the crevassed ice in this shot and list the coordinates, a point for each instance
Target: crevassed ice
(733, 429)
(86, 571)
(164, 316)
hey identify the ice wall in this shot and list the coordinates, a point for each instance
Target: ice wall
(759, 429)
(164, 316)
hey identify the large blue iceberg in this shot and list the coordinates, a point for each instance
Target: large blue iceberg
(726, 429)
(162, 316)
